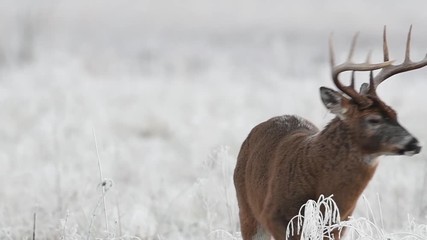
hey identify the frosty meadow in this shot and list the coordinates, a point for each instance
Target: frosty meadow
(171, 89)
(286, 161)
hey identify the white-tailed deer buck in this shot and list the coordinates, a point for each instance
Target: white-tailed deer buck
(286, 160)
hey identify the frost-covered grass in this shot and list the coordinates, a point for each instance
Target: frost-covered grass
(171, 108)
(318, 219)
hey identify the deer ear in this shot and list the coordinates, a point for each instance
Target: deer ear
(334, 101)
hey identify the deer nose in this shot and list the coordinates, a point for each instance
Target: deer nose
(412, 147)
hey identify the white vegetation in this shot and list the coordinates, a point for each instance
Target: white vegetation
(317, 219)
(171, 90)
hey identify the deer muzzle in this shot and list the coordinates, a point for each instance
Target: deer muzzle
(411, 148)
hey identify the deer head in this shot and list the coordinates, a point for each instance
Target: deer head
(371, 122)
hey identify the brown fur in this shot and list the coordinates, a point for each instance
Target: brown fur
(286, 161)
(281, 170)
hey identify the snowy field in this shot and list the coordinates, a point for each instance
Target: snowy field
(166, 91)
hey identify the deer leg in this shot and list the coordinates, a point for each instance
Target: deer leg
(275, 226)
(277, 230)
(251, 229)
(249, 226)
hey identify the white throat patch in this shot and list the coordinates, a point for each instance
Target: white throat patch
(371, 160)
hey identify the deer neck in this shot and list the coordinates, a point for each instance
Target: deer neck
(337, 143)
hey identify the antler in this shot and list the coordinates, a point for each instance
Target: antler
(390, 69)
(348, 65)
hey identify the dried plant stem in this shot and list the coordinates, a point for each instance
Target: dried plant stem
(34, 225)
(102, 182)
(119, 218)
(225, 173)
(423, 206)
(64, 228)
(94, 215)
(380, 210)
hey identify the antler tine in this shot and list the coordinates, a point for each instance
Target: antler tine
(331, 51)
(407, 64)
(353, 46)
(368, 57)
(385, 45)
(352, 79)
(350, 66)
(408, 46)
(371, 90)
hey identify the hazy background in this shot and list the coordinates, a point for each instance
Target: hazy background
(171, 89)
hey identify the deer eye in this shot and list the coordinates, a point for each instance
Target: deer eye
(374, 120)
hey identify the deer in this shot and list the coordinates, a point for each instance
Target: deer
(286, 160)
